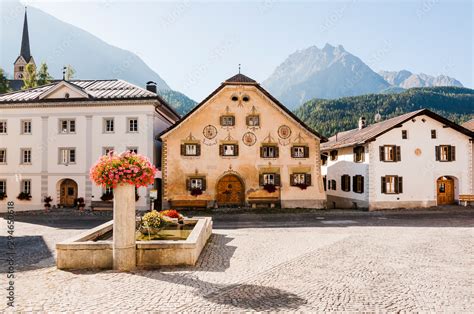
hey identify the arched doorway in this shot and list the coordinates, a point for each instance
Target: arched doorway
(230, 191)
(67, 192)
(445, 190)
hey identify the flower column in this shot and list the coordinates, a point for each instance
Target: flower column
(124, 258)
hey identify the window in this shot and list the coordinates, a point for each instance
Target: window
(390, 153)
(227, 120)
(107, 150)
(270, 178)
(404, 134)
(3, 155)
(392, 185)
(433, 133)
(67, 156)
(3, 187)
(359, 154)
(196, 183)
(132, 124)
(67, 126)
(333, 185)
(26, 155)
(133, 149)
(229, 150)
(346, 183)
(21, 68)
(26, 186)
(246, 98)
(109, 125)
(300, 152)
(333, 155)
(253, 120)
(3, 127)
(234, 98)
(324, 159)
(300, 179)
(26, 127)
(269, 151)
(445, 153)
(190, 149)
(358, 184)
(325, 182)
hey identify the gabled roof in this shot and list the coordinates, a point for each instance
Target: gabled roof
(469, 125)
(241, 79)
(358, 137)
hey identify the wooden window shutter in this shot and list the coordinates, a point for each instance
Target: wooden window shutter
(232, 119)
(183, 149)
(277, 179)
(188, 184)
(221, 150)
(262, 149)
(247, 120)
(306, 152)
(452, 153)
(277, 152)
(222, 120)
(354, 184)
(398, 153)
(400, 184)
(343, 184)
(437, 152)
(260, 180)
(292, 179)
(384, 185)
(307, 179)
(354, 153)
(361, 184)
(236, 150)
(204, 184)
(382, 153)
(198, 149)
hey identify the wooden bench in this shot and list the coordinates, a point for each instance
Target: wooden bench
(188, 203)
(267, 201)
(102, 205)
(466, 198)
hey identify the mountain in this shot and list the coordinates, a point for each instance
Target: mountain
(328, 73)
(59, 43)
(406, 79)
(331, 116)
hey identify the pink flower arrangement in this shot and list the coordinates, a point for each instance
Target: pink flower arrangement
(125, 168)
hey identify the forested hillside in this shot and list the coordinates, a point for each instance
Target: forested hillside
(331, 116)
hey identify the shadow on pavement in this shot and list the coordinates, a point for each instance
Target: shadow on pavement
(28, 251)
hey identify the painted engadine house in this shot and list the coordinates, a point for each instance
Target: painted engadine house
(418, 159)
(50, 136)
(235, 146)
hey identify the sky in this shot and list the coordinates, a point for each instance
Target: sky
(195, 45)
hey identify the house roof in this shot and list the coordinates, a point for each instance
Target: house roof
(241, 79)
(469, 125)
(357, 137)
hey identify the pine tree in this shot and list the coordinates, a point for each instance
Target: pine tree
(29, 79)
(4, 87)
(43, 75)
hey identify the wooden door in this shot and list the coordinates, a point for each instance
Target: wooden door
(230, 191)
(68, 192)
(445, 190)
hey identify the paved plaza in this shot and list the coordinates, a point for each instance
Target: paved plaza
(313, 261)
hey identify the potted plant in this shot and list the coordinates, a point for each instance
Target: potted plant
(79, 202)
(3, 196)
(270, 188)
(196, 191)
(153, 222)
(47, 203)
(24, 196)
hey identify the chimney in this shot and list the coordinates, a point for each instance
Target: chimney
(362, 123)
(151, 86)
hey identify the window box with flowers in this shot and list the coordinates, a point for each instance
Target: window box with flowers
(196, 185)
(23, 196)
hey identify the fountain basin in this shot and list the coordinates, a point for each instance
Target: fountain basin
(93, 248)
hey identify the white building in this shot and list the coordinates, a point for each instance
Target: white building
(418, 159)
(50, 136)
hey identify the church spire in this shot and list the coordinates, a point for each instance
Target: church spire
(25, 41)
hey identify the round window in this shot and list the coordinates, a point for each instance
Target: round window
(235, 98)
(246, 98)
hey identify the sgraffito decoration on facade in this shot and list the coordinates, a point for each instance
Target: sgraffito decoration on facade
(249, 139)
(284, 133)
(250, 126)
(210, 133)
(299, 139)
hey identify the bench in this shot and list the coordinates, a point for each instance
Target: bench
(466, 198)
(188, 203)
(266, 201)
(102, 205)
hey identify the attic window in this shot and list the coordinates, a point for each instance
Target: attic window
(234, 98)
(246, 98)
(66, 95)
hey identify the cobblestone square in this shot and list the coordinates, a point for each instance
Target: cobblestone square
(326, 261)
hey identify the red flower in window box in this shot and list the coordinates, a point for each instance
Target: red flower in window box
(302, 186)
(270, 188)
(196, 191)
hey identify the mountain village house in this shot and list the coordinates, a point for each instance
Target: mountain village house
(51, 135)
(239, 147)
(418, 159)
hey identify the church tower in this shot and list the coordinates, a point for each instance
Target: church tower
(25, 55)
